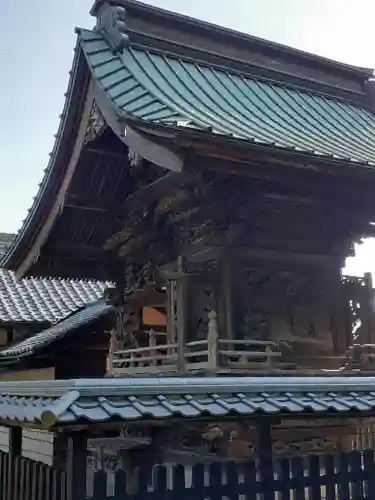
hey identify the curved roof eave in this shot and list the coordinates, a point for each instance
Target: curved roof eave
(25, 246)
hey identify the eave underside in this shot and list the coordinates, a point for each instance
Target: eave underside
(115, 213)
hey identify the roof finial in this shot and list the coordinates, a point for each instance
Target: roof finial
(111, 23)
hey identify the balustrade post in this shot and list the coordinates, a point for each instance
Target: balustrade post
(152, 344)
(212, 340)
(268, 351)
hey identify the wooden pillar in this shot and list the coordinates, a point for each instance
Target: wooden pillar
(60, 451)
(265, 455)
(226, 293)
(15, 451)
(212, 341)
(139, 459)
(15, 441)
(181, 315)
(76, 466)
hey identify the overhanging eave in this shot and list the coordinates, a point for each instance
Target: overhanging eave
(27, 244)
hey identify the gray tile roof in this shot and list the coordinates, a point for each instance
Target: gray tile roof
(56, 402)
(43, 300)
(87, 314)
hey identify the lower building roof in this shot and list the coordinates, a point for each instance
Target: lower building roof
(55, 403)
(43, 300)
(84, 316)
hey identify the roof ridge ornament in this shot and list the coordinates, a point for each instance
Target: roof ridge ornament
(370, 90)
(111, 23)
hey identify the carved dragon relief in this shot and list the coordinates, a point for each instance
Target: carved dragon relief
(111, 23)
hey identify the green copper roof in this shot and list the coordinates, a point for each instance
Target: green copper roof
(167, 90)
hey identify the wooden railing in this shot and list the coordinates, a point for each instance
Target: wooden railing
(221, 355)
(361, 357)
(224, 355)
(232, 356)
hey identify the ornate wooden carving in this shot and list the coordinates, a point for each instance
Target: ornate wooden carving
(232, 440)
(256, 307)
(306, 446)
(135, 159)
(96, 124)
(123, 335)
(250, 216)
(287, 306)
(239, 440)
(357, 295)
(138, 276)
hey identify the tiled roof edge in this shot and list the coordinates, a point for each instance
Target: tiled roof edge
(188, 385)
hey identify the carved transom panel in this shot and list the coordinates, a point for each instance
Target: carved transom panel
(282, 305)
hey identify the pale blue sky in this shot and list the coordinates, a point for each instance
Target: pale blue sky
(36, 51)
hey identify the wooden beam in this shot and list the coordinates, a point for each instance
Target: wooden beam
(109, 153)
(75, 249)
(249, 155)
(261, 214)
(199, 253)
(143, 298)
(146, 194)
(271, 170)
